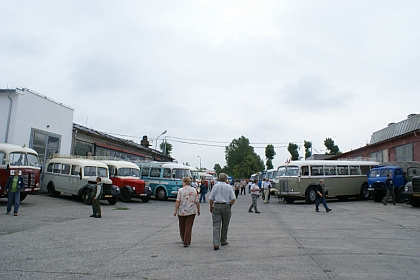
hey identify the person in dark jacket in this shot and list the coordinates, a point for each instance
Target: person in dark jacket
(320, 196)
(203, 191)
(389, 185)
(13, 187)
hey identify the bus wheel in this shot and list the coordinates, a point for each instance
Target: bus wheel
(23, 196)
(51, 190)
(289, 199)
(310, 195)
(161, 194)
(145, 199)
(364, 192)
(125, 195)
(87, 199)
(400, 196)
(113, 200)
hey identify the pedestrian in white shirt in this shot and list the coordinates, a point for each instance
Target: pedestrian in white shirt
(266, 188)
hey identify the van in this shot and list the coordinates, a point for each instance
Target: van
(77, 176)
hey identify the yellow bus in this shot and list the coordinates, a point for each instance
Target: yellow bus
(343, 179)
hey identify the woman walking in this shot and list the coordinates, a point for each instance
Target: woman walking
(186, 207)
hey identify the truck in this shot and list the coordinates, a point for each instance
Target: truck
(399, 171)
(412, 188)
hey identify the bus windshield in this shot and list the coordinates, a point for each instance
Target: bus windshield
(195, 175)
(33, 160)
(18, 159)
(128, 172)
(292, 171)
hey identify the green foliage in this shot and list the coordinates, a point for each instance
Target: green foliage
(250, 165)
(269, 154)
(166, 150)
(269, 164)
(217, 168)
(331, 147)
(308, 146)
(293, 150)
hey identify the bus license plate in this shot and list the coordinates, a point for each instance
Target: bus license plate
(416, 194)
(107, 195)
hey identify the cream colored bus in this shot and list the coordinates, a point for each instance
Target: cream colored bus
(343, 179)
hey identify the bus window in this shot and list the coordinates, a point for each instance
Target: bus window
(292, 171)
(354, 170)
(166, 173)
(2, 157)
(365, 169)
(57, 168)
(304, 171)
(17, 159)
(317, 171)
(155, 172)
(180, 173)
(102, 172)
(89, 171)
(74, 170)
(66, 169)
(342, 170)
(33, 160)
(145, 171)
(50, 167)
(329, 170)
(281, 171)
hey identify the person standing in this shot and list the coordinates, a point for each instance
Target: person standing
(255, 194)
(243, 185)
(320, 196)
(14, 185)
(186, 207)
(96, 198)
(203, 191)
(221, 198)
(237, 187)
(194, 183)
(266, 185)
(249, 186)
(389, 185)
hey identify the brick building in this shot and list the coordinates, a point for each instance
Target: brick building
(396, 142)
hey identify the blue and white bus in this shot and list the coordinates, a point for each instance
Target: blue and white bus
(164, 178)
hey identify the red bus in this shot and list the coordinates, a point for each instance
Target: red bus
(14, 157)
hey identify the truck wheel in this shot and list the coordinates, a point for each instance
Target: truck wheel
(113, 200)
(377, 197)
(310, 195)
(415, 202)
(87, 199)
(125, 195)
(161, 194)
(145, 199)
(23, 196)
(400, 196)
(289, 199)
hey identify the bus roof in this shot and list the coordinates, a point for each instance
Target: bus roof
(120, 164)
(164, 165)
(10, 148)
(77, 161)
(329, 162)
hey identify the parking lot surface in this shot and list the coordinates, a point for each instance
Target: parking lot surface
(54, 238)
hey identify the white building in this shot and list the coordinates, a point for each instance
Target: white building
(31, 119)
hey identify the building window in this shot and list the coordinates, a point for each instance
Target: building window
(82, 148)
(377, 156)
(404, 153)
(44, 143)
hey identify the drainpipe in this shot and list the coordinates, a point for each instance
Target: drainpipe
(8, 117)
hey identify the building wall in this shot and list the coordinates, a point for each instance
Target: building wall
(31, 110)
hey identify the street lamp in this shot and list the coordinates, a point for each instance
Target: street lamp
(159, 136)
(200, 162)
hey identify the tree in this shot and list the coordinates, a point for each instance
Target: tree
(331, 147)
(308, 146)
(235, 155)
(293, 150)
(217, 168)
(166, 149)
(269, 154)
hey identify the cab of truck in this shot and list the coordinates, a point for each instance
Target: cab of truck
(376, 181)
(412, 188)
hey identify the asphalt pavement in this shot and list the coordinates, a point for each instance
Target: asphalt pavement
(54, 238)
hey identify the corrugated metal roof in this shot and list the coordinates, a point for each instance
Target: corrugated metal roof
(406, 126)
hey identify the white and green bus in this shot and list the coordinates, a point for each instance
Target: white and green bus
(343, 179)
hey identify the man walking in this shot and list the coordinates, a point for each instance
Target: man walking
(389, 185)
(255, 194)
(203, 191)
(243, 185)
(221, 198)
(266, 188)
(13, 187)
(320, 196)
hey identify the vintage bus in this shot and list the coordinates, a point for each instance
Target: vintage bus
(343, 179)
(271, 175)
(14, 157)
(164, 178)
(126, 175)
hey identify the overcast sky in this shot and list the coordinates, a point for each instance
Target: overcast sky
(273, 71)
